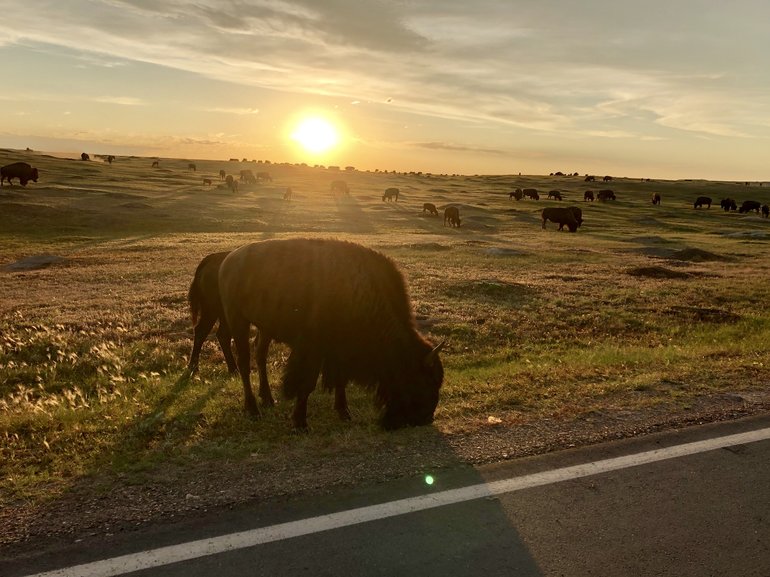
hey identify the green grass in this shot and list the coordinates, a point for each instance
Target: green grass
(539, 324)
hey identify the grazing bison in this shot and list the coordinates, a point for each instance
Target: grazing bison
(263, 175)
(341, 308)
(728, 204)
(390, 194)
(765, 210)
(222, 174)
(155, 164)
(590, 178)
(656, 198)
(555, 194)
(340, 187)
(531, 193)
(231, 183)
(588, 195)
(248, 177)
(207, 181)
(84, 156)
(605, 195)
(702, 200)
(571, 216)
(288, 194)
(749, 205)
(518, 194)
(452, 216)
(21, 170)
(607, 178)
(430, 208)
(192, 167)
(109, 159)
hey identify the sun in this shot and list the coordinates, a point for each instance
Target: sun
(315, 135)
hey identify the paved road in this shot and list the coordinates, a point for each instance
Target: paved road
(690, 503)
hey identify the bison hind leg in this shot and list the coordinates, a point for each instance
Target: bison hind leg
(299, 380)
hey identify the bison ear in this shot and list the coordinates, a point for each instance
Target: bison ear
(431, 357)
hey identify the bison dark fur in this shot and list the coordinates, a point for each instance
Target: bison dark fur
(588, 195)
(749, 205)
(341, 308)
(701, 201)
(560, 216)
(728, 204)
(430, 208)
(452, 216)
(21, 170)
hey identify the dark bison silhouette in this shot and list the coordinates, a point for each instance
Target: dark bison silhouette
(765, 210)
(555, 194)
(656, 198)
(604, 195)
(701, 201)
(728, 204)
(390, 194)
(452, 216)
(571, 216)
(430, 208)
(588, 195)
(21, 170)
(518, 194)
(749, 205)
(342, 309)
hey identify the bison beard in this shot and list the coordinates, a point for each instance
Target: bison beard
(341, 308)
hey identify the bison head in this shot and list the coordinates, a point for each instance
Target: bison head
(414, 403)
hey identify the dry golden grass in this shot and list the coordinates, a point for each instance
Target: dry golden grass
(644, 306)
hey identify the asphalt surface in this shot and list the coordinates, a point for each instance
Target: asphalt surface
(634, 508)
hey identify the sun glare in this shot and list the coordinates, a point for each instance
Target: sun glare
(315, 135)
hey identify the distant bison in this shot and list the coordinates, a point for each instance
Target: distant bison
(555, 194)
(222, 174)
(605, 195)
(288, 194)
(531, 193)
(390, 194)
(192, 167)
(231, 183)
(340, 186)
(263, 175)
(560, 216)
(590, 178)
(765, 210)
(342, 309)
(155, 164)
(607, 178)
(701, 201)
(588, 195)
(452, 216)
(429, 207)
(656, 198)
(207, 181)
(21, 170)
(728, 204)
(749, 205)
(84, 156)
(248, 177)
(518, 194)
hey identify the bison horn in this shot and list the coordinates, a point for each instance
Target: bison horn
(431, 357)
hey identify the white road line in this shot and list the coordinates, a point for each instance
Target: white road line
(204, 547)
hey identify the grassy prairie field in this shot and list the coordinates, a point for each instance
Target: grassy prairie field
(645, 307)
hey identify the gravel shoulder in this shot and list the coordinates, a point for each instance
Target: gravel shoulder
(99, 508)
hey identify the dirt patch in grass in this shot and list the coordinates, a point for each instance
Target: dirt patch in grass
(658, 272)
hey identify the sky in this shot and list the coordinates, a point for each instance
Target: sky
(656, 89)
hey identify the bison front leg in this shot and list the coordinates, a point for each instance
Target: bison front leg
(302, 370)
(241, 338)
(263, 345)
